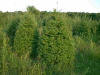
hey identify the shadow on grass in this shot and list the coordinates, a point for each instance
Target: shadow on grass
(86, 63)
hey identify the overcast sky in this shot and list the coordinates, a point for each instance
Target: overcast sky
(49, 5)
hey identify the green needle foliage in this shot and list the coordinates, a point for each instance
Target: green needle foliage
(24, 35)
(1, 44)
(56, 44)
(12, 29)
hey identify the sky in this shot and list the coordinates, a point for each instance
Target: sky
(49, 5)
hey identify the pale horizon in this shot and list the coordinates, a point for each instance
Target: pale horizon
(90, 6)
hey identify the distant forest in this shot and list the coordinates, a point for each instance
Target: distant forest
(49, 43)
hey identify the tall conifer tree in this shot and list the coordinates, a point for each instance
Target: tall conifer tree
(24, 35)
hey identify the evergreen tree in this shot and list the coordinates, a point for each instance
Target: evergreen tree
(12, 29)
(24, 35)
(1, 44)
(56, 44)
(3, 53)
(32, 9)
